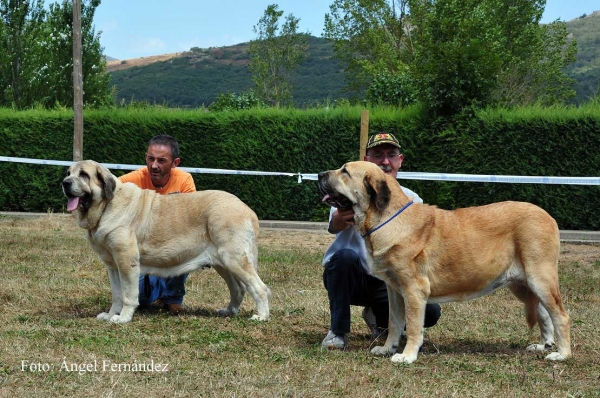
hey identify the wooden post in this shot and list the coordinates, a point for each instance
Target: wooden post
(77, 84)
(364, 133)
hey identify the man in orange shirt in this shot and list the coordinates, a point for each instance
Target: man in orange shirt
(162, 176)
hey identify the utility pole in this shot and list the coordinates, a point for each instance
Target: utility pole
(364, 133)
(77, 83)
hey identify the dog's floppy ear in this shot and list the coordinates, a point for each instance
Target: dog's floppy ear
(378, 190)
(108, 182)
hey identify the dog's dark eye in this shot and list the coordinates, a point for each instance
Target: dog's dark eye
(84, 174)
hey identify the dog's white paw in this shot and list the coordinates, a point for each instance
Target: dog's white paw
(555, 356)
(401, 358)
(256, 317)
(381, 351)
(104, 316)
(536, 348)
(120, 319)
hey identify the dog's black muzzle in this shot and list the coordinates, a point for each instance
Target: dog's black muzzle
(330, 196)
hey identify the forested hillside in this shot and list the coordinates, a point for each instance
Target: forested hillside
(586, 70)
(195, 78)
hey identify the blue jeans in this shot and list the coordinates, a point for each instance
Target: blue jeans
(168, 290)
(348, 283)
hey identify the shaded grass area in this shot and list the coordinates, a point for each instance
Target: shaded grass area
(53, 286)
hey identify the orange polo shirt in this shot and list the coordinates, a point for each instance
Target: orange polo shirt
(179, 181)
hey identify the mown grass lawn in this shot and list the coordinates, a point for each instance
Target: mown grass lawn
(53, 285)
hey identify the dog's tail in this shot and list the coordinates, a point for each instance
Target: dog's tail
(530, 300)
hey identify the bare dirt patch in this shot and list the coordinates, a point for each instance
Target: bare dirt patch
(584, 253)
(118, 64)
(278, 238)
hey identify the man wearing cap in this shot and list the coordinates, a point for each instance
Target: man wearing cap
(346, 276)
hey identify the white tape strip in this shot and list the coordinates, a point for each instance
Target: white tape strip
(135, 167)
(498, 178)
(487, 178)
(314, 177)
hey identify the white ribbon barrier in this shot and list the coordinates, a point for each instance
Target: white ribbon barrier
(496, 178)
(135, 167)
(313, 177)
(487, 178)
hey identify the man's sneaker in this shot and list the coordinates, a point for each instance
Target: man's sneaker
(335, 341)
(369, 317)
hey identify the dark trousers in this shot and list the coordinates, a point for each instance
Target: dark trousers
(347, 283)
(168, 290)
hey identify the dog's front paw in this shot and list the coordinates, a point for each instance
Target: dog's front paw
(537, 348)
(256, 317)
(556, 356)
(402, 358)
(120, 319)
(382, 351)
(104, 316)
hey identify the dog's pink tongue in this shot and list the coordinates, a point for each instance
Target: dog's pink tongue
(73, 203)
(325, 198)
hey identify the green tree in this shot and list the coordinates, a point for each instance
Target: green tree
(275, 55)
(387, 88)
(20, 32)
(458, 53)
(36, 54)
(234, 102)
(370, 37)
(487, 52)
(538, 75)
(54, 81)
(454, 53)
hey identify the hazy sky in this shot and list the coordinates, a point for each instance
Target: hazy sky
(138, 28)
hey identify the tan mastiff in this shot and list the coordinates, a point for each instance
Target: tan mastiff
(425, 254)
(136, 230)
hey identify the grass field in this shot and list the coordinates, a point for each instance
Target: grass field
(53, 285)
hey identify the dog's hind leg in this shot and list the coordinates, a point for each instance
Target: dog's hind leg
(236, 292)
(535, 313)
(542, 281)
(261, 295)
(237, 256)
(243, 277)
(545, 286)
(256, 288)
(546, 330)
(540, 266)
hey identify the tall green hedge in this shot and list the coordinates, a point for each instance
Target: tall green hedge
(531, 141)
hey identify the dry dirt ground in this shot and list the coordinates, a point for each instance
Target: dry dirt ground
(118, 64)
(584, 253)
(281, 238)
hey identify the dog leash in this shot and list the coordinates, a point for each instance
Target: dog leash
(389, 219)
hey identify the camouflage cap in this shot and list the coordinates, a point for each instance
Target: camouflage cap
(382, 138)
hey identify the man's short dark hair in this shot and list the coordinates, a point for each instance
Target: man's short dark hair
(167, 140)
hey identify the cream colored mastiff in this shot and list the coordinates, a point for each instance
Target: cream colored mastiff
(425, 254)
(135, 231)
